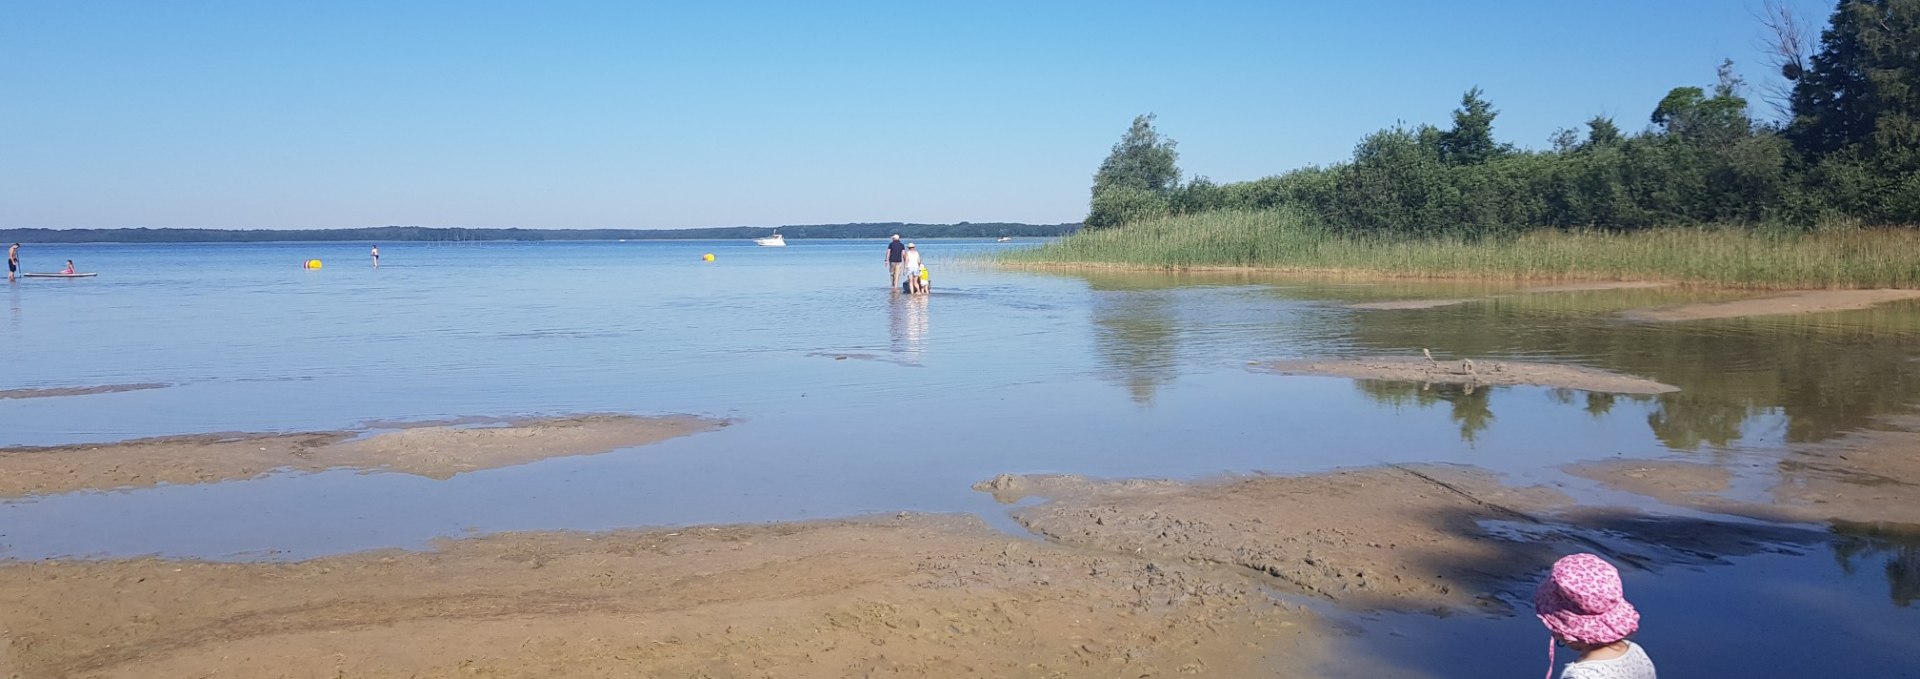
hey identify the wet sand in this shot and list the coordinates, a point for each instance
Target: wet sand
(1135, 578)
(912, 595)
(1414, 303)
(1478, 373)
(1865, 477)
(432, 451)
(79, 391)
(1808, 301)
(1592, 286)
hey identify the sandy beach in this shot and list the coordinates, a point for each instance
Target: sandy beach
(1137, 578)
(426, 449)
(906, 595)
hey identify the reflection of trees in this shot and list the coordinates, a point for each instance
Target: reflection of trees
(1688, 420)
(1136, 337)
(1472, 408)
(1599, 404)
(1900, 547)
(1825, 374)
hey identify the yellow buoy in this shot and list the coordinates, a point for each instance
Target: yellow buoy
(708, 257)
(313, 264)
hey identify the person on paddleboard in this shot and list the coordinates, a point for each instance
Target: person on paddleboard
(13, 261)
(69, 271)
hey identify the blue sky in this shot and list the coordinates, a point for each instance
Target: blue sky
(660, 115)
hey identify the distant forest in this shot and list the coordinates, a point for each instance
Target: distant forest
(400, 234)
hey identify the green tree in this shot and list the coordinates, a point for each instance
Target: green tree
(1856, 110)
(1833, 101)
(1601, 132)
(1688, 113)
(1143, 166)
(1470, 142)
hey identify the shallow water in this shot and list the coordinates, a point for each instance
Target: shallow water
(1104, 374)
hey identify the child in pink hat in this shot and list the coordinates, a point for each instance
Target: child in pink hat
(1584, 606)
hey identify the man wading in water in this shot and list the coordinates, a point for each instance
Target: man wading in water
(13, 260)
(895, 253)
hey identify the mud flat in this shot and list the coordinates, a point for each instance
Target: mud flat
(1810, 301)
(1594, 286)
(912, 595)
(1865, 477)
(1414, 303)
(78, 391)
(1136, 578)
(1394, 538)
(1485, 373)
(432, 451)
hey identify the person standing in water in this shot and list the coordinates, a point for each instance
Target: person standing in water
(1584, 606)
(13, 261)
(895, 254)
(376, 256)
(911, 263)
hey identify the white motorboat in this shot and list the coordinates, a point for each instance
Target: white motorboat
(773, 241)
(1003, 239)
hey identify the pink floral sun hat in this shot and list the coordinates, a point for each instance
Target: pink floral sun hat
(1583, 602)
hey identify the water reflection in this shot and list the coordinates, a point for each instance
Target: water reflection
(907, 326)
(1471, 407)
(1825, 374)
(1818, 376)
(1897, 547)
(1136, 339)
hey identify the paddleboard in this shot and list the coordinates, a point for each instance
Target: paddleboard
(58, 275)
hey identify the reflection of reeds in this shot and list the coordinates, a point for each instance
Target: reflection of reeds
(1289, 240)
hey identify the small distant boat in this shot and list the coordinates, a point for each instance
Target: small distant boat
(773, 241)
(58, 275)
(1003, 239)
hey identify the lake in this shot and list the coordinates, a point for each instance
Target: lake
(849, 399)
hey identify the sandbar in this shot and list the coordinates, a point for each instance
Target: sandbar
(1590, 286)
(1807, 301)
(1865, 477)
(1596, 286)
(1414, 303)
(1135, 578)
(439, 451)
(1479, 373)
(79, 391)
(906, 595)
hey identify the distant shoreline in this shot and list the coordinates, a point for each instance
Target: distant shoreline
(424, 234)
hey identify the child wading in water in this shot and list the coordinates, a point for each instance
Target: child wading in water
(1583, 605)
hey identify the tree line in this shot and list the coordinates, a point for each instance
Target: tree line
(1847, 150)
(391, 234)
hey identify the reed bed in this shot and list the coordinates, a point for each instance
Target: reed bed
(1290, 241)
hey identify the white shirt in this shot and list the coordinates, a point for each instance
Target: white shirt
(1634, 664)
(912, 261)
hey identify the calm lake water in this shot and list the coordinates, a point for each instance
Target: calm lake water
(996, 371)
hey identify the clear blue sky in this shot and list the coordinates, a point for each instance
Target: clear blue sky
(680, 114)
